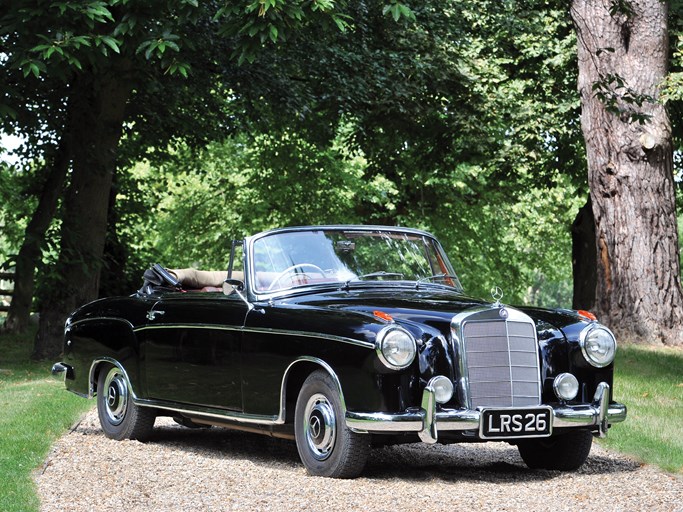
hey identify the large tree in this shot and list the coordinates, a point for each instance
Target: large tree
(101, 51)
(623, 52)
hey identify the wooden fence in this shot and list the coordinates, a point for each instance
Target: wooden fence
(6, 292)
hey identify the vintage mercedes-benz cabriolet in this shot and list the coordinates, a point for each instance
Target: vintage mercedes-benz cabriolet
(341, 338)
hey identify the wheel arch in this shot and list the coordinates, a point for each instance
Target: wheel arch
(293, 379)
(95, 369)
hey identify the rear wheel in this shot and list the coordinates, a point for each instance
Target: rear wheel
(565, 452)
(326, 445)
(119, 417)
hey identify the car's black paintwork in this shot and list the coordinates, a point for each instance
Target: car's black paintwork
(210, 350)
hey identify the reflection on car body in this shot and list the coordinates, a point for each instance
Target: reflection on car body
(342, 338)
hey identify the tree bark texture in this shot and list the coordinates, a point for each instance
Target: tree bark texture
(638, 291)
(34, 237)
(97, 120)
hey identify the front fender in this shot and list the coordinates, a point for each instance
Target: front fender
(91, 340)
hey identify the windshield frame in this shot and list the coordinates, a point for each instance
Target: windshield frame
(259, 294)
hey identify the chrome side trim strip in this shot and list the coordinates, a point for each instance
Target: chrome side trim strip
(215, 327)
(96, 318)
(259, 330)
(208, 412)
(305, 334)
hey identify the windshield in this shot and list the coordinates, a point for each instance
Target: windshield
(301, 258)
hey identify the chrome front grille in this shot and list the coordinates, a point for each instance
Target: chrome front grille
(500, 361)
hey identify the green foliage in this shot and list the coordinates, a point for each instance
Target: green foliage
(464, 122)
(62, 38)
(235, 189)
(397, 10)
(620, 99)
(17, 204)
(649, 382)
(259, 22)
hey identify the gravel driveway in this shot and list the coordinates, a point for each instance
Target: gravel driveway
(218, 469)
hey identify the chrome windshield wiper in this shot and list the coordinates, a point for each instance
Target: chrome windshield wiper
(435, 276)
(381, 273)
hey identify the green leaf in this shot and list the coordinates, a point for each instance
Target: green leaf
(152, 46)
(111, 43)
(341, 24)
(73, 60)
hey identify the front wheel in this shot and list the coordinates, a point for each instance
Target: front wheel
(326, 445)
(565, 452)
(119, 417)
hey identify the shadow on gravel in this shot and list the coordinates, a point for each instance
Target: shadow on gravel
(493, 463)
(476, 463)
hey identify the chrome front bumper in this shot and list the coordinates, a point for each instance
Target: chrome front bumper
(428, 421)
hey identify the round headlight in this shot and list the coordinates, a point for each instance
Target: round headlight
(598, 345)
(396, 347)
(566, 386)
(443, 388)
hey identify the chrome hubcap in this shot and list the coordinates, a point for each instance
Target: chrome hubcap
(320, 427)
(116, 398)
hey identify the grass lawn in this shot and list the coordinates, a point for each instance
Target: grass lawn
(35, 410)
(650, 382)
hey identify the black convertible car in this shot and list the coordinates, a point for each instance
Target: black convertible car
(341, 338)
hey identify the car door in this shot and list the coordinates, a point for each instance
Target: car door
(191, 349)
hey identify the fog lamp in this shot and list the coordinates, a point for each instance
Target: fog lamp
(443, 388)
(566, 386)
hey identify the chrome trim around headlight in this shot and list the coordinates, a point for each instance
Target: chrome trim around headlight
(379, 347)
(587, 331)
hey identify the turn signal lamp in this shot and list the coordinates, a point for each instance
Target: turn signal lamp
(383, 316)
(587, 315)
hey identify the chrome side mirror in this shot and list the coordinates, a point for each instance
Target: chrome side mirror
(231, 286)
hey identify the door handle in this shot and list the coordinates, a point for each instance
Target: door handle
(151, 314)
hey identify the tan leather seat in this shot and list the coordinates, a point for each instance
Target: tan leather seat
(206, 280)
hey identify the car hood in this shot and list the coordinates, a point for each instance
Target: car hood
(433, 306)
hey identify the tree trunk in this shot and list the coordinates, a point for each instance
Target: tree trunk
(623, 57)
(34, 237)
(95, 131)
(584, 258)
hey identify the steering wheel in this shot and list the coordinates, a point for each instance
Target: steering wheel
(291, 269)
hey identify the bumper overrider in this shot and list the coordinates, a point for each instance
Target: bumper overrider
(427, 421)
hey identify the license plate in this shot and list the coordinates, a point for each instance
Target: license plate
(515, 423)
